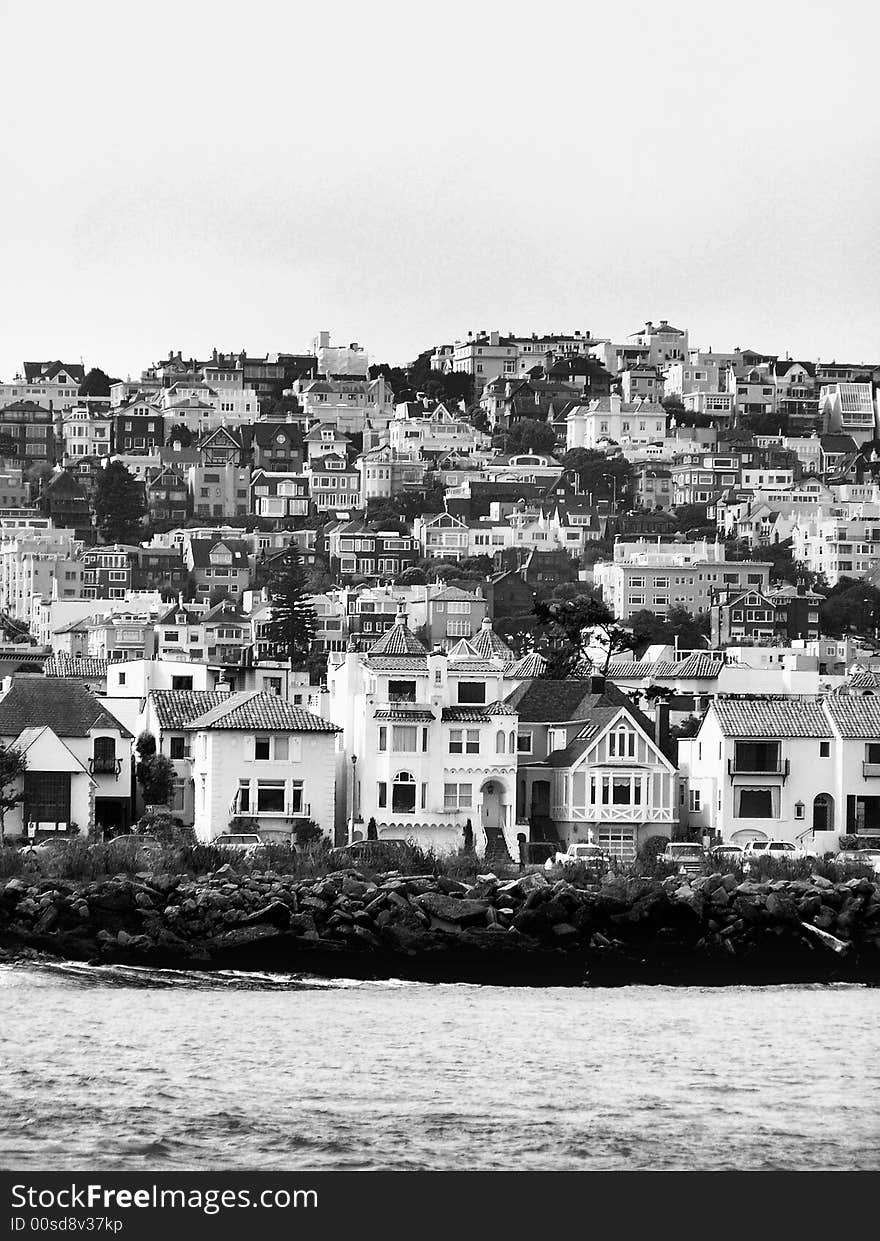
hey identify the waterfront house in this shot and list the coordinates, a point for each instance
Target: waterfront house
(263, 765)
(78, 757)
(429, 747)
(591, 767)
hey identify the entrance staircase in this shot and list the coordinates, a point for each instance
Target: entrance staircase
(496, 846)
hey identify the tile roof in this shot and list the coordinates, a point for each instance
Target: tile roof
(398, 640)
(253, 710)
(864, 680)
(62, 703)
(702, 665)
(529, 666)
(768, 717)
(175, 708)
(73, 666)
(396, 663)
(637, 669)
(473, 665)
(476, 714)
(405, 714)
(855, 717)
(490, 646)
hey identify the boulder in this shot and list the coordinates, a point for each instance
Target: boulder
(830, 942)
(458, 911)
(276, 913)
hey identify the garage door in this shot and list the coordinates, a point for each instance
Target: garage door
(619, 842)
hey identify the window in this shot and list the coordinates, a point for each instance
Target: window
(872, 752)
(557, 739)
(457, 797)
(621, 743)
(757, 756)
(270, 796)
(456, 744)
(403, 793)
(524, 743)
(695, 800)
(756, 803)
(403, 738)
(500, 742)
(825, 749)
(243, 798)
(382, 794)
(177, 747)
(401, 691)
(472, 741)
(472, 692)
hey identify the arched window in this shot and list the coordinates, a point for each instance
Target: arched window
(823, 812)
(403, 793)
(499, 742)
(511, 742)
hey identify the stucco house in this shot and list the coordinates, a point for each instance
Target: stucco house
(263, 763)
(793, 769)
(78, 758)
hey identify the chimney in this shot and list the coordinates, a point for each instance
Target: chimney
(661, 725)
(597, 685)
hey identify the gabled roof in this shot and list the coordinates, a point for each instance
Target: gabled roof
(62, 759)
(62, 703)
(702, 665)
(544, 701)
(47, 371)
(254, 711)
(769, 718)
(176, 708)
(529, 666)
(200, 550)
(398, 640)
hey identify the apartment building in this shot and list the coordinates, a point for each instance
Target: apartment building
(658, 575)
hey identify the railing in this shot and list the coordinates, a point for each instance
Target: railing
(780, 768)
(105, 767)
(870, 769)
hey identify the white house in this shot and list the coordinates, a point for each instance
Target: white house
(78, 757)
(263, 764)
(791, 769)
(429, 745)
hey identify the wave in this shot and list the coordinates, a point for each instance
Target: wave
(140, 976)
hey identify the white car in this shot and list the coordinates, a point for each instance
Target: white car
(580, 854)
(780, 850)
(686, 856)
(859, 857)
(242, 842)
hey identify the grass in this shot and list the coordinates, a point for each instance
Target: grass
(80, 860)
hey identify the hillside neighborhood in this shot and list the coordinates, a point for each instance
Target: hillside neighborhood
(546, 588)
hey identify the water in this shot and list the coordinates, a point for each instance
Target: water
(114, 1069)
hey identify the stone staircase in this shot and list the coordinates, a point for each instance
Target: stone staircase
(496, 846)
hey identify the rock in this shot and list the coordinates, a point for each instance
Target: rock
(223, 871)
(354, 887)
(565, 931)
(364, 936)
(819, 881)
(15, 885)
(245, 935)
(276, 913)
(826, 940)
(143, 901)
(530, 882)
(720, 898)
(452, 909)
(729, 883)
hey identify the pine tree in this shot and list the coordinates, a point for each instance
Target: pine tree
(119, 505)
(292, 627)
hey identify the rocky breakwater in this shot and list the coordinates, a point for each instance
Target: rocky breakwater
(531, 929)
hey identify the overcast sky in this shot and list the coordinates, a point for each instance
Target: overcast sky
(184, 175)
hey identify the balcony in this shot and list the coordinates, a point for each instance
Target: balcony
(105, 767)
(736, 767)
(870, 770)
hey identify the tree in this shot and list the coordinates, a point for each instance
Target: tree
(119, 504)
(692, 517)
(679, 627)
(96, 383)
(306, 833)
(154, 772)
(477, 417)
(13, 765)
(602, 477)
(292, 627)
(181, 435)
(530, 435)
(853, 607)
(582, 623)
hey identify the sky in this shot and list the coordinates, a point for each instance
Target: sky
(191, 175)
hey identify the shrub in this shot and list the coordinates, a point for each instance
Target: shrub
(652, 848)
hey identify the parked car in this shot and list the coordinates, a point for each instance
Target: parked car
(781, 850)
(687, 857)
(46, 845)
(726, 853)
(858, 857)
(580, 854)
(247, 843)
(371, 853)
